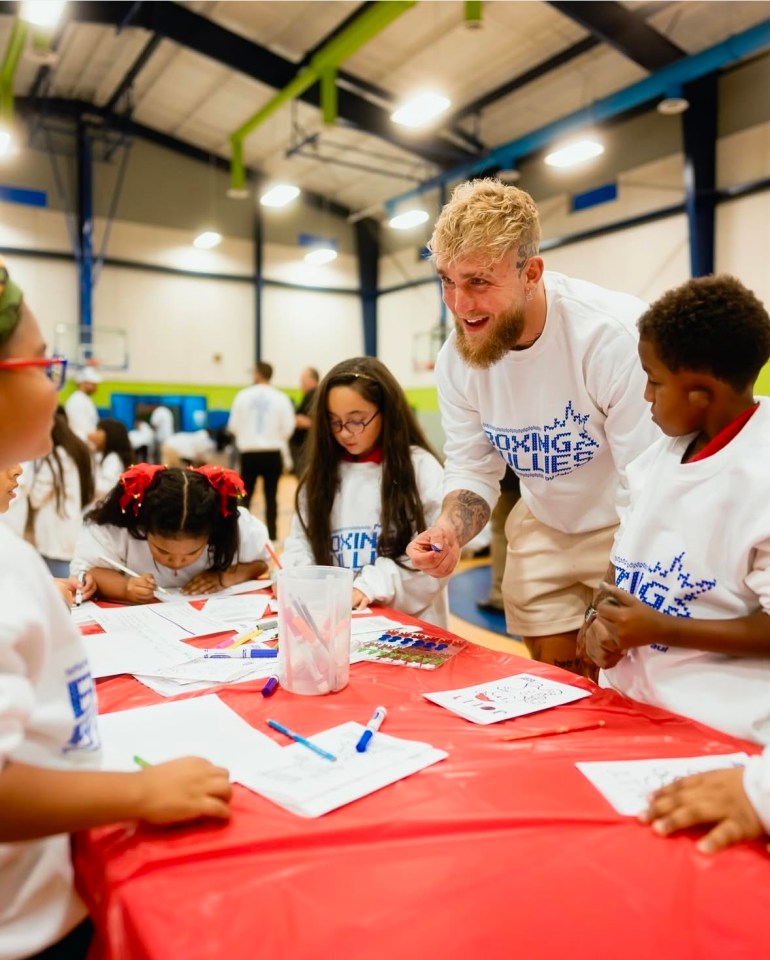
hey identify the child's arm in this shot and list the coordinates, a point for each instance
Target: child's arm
(632, 623)
(718, 797)
(39, 802)
(210, 581)
(113, 585)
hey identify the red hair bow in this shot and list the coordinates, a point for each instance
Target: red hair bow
(135, 482)
(226, 482)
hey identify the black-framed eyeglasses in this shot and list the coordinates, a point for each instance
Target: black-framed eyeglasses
(353, 427)
(55, 367)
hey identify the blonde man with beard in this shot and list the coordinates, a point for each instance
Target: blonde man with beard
(541, 373)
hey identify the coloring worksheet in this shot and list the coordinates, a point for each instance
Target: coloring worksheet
(627, 784)
(507, 697)
(309, 785)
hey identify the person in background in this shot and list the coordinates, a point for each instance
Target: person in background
(498, 548)
(372, 481)
(162, 423)
(683, 619)
(62, 485)
(80, 408)
(142, 440)
(113, 454)
(15, 516)
(185, 448)
(50, 786)
(308, 382)
(175, 528)
(540, 374)
(261, 422)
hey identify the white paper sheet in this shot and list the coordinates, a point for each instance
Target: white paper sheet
(199, 727)
(175, 595)
(627, 784)
(166, 687)
(84, 614)
(241, 609)
(309, 785)
(505, 698)
(128, 652)
(171, 621)
(216, 671)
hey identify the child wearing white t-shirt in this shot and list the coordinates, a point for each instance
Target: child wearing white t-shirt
(49, 741)
(685, 622)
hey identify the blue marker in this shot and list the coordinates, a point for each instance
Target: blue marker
(371, 728)
(237, 652)
(299, 739)
(436, 548)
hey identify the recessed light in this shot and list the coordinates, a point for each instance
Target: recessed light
(42, 13)
(320, 256)
(420, 109)
(279, 195)
(573, 153)
(207, 239)
(408, 219)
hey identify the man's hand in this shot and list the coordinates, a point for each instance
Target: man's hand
(601, 646)
(715, 797)
(435, 551)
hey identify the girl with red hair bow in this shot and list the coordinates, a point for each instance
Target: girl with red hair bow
(176, 528)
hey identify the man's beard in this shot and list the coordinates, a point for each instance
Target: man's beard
(506, 332)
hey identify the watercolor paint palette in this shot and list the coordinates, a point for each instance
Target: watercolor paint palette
(410, 648)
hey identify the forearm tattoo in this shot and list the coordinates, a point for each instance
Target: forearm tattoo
(467, 512)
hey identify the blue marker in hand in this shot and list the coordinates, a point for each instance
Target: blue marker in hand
(371, 728)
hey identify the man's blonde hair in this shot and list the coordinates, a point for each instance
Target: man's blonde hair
(486, 219)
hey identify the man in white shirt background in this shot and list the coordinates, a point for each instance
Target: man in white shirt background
(261, 422)
(81, 411)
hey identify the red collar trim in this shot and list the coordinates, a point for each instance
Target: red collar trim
(725, 435)
(374, 456)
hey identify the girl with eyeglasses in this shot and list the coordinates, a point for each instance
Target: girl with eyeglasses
(370, 480)
(50, 784)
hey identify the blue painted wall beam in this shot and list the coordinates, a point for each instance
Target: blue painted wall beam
(368, 251)
(699, 134)
(85, 236)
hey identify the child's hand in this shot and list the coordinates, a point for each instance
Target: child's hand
(714, 797)
(435, 551)
(183, 790)
(630, 622)
(601, 646)
(141, 589)
(360, 600)
(210, 581)
(72, 585)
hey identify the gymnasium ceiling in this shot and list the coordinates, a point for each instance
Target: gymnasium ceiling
(190, 74)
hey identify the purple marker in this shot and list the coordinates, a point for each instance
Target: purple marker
(270, 686)
(436, 548)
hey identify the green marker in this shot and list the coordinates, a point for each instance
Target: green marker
(140, 762)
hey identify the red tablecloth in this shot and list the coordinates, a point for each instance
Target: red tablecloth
(502, 850)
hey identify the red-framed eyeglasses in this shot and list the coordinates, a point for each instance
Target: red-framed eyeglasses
(55, 367)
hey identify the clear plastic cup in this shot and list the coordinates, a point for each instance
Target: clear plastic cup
(314, 608)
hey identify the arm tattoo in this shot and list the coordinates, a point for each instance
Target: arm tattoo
(467, 512)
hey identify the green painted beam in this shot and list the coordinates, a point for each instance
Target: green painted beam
(8, 67)
(329, 96)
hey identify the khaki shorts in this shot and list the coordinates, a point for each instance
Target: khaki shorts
(550, 576)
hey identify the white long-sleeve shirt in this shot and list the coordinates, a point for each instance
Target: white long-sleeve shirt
(56, 528)
(116, 543)
(107, 472)
(261, 418)
(82, 415)
(355, 529)
(695, 543)
(567, 414)
(47, 719)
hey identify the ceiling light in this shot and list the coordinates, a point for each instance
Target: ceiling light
(420, 109)
(42, 13)
(574, 153)
(670, 106)
(408, 219)
(237, 193)
(320, 256)
(279, 195)
(207, 239)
